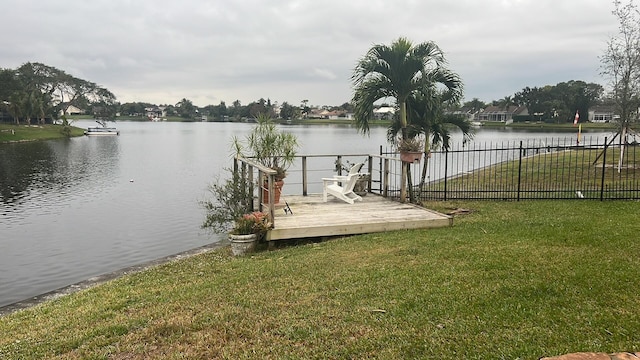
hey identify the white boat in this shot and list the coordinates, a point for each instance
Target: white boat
(101, 131)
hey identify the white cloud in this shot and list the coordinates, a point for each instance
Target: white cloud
(162, 51)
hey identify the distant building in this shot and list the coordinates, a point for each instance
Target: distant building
(601, 114)
(500, 113)
(155, 112)
(72, 110)
(384, 113)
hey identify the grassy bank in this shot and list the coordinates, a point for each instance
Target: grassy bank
(551, 126)
(510, 280)
(14, 133)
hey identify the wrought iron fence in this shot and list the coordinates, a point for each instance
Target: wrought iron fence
(533, 169)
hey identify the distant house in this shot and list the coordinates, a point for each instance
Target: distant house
(72, 110)
(466, 112)
(337, 115)
(601, 114)
(155, 112)
(384, 113)
(500, 113)
(316, 113)
(329, 114)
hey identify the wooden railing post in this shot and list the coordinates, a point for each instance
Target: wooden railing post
(272, 198)
(370, 171)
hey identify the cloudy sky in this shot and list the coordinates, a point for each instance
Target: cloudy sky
(161, 51)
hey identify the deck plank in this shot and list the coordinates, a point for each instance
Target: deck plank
(314, 218)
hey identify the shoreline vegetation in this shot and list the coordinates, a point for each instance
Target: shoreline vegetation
(17, 133)
(508, 280)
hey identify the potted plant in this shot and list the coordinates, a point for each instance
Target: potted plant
(410, 149)
(247, 231)
(270, 148)
(229, 211)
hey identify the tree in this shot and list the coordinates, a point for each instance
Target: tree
(621, 64)
(8, 84)
(475, 105)
(287, 111)
(394, 71)
(222, 110)
(261, 107)
(304, 108)
(44, 91)
(185, 108)
(236, 109)
(505, 103)
(346, 106)
(135, 108)
(15, 106)
(427, 114)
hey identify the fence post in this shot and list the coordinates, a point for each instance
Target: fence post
(385, 179)
(604, 162)
(519, 170)
(446, 168)
(305, 180)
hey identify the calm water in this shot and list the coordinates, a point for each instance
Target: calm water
(77, 208)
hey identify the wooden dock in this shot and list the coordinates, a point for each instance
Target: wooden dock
(314, 218)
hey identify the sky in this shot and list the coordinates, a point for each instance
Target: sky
(208, 51)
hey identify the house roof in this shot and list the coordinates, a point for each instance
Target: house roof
(602, 109)
(384, 110)
(514, 110)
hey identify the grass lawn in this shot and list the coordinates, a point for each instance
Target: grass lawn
(12, 133)
(510, 280)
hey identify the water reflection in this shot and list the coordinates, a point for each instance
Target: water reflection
(20, 165)
(54, 172)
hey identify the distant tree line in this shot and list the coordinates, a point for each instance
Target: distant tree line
(236, 112)
(551, 103)
(36, 93)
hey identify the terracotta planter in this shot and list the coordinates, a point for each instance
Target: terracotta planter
(410, 156)
(278, 191)
(243, 244)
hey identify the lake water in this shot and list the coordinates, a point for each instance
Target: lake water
(77, 208)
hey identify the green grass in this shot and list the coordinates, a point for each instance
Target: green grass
(556, 126)
(510, 280)
(13, 133)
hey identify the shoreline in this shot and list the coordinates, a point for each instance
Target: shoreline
(103, 278)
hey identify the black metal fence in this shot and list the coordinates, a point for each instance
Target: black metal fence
(534, 169)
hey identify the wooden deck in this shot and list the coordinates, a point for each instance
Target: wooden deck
(313, 218)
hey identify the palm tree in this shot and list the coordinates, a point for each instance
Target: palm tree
(394, 71)
(15, 106)
(428, 116)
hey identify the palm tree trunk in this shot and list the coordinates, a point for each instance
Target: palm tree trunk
(412, 198)
(405, 168)
(427, 152)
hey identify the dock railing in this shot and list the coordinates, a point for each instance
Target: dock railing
(305, 175)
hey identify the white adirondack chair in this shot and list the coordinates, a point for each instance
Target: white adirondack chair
(345, 192)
